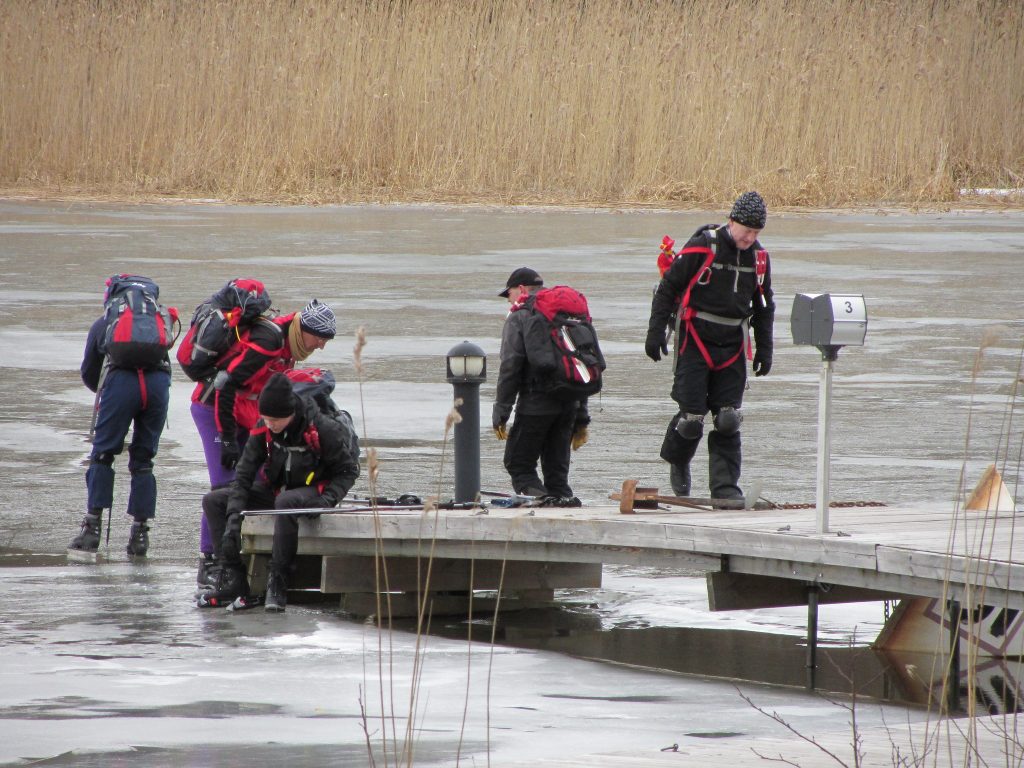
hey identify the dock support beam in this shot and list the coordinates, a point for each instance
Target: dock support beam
(812, 635)
(953, 679)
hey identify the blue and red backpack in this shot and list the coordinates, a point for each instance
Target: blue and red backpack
(139, 330)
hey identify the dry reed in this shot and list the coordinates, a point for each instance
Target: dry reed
(603, 101)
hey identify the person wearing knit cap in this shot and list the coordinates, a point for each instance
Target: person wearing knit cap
(297, 457)
(317, 319)
(717, 289)
(224, 408)
(277, 400)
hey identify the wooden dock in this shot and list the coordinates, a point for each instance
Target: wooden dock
(936, 562)
(754, 558)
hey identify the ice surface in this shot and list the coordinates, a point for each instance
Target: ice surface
(107, 658)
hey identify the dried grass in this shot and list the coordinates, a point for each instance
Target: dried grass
(604, 101)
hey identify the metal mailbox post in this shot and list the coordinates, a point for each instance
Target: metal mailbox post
(829, 322)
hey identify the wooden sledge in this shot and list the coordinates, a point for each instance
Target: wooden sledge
(632, 498)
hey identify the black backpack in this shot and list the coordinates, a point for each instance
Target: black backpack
(561, 344)
(218, 324)
(139, 330)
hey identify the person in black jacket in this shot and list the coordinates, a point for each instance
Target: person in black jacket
(719, 286)
(296, 458)
(544, 428)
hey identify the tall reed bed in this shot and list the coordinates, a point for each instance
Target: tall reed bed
(599, 101)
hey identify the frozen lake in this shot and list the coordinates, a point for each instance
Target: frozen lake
(112, 657)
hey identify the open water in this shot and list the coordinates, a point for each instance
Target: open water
(98, 660)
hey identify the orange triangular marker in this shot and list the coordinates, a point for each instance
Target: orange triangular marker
(991, 493)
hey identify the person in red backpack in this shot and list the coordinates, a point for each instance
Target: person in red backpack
(128, 397)
(720, 283)
(545, 428)
(270, 345)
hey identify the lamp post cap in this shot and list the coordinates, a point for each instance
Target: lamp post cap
(466, 349)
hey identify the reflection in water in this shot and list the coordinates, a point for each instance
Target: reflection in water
(742, 655)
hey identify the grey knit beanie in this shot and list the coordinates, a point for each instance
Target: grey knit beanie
(749, 210)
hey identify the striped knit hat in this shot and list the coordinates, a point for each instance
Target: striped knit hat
(318, 319)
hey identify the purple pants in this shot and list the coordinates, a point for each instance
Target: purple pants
(206, 424)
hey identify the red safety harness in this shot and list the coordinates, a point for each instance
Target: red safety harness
(703, 277)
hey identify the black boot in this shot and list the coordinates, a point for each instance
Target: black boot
(679, 476)
(208, 573)
(724, 456)
(88, 539)
(277, 593)
(231, 583)
(138, 540)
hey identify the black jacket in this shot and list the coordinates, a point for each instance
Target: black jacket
(729, 293)
(287, 460)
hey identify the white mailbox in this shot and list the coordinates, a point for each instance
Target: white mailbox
(829, 319)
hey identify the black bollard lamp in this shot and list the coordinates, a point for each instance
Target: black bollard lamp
(467, 369)
(466, 364)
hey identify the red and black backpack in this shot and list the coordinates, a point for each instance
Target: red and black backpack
(561, 344)
(218, 325)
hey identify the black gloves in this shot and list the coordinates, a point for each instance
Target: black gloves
(762, 363)
(655, 347)
(229, 452)
(231, 542)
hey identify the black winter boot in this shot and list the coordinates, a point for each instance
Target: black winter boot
(724, 466)
(138, 540)
(88, 539)
(208, 573)
(679, 476)
(277, 593)
(231, 583)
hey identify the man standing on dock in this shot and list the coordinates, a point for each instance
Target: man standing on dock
(545, 427)
(716, 289)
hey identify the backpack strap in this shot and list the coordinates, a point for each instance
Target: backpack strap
(760, 270)
(246, 336)
(688, 313)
